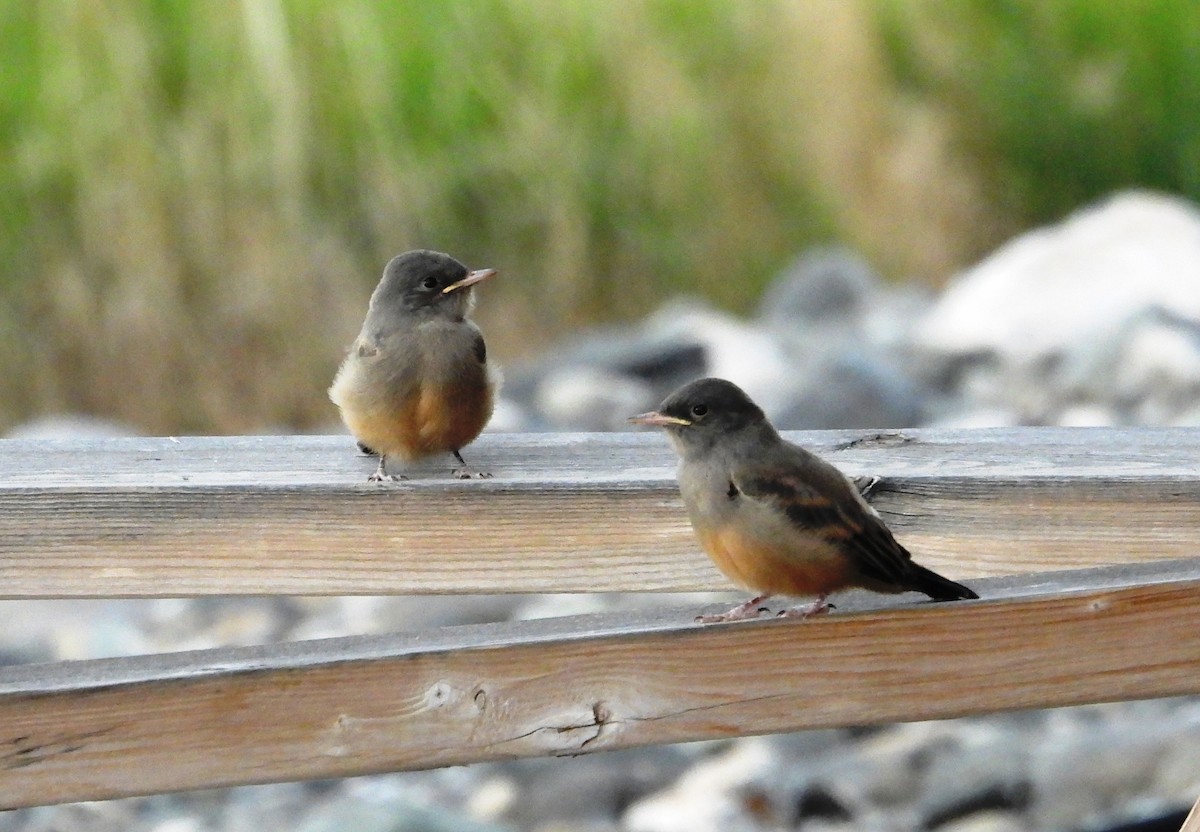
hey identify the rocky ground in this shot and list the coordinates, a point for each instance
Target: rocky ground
(1095, 321)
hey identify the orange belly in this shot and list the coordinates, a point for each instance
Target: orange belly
(799, 567)
(439, 419)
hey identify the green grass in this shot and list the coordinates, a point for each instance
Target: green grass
(1059, 103)
(197, 198)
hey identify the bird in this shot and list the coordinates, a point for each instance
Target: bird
(775, 518)
(417, 381)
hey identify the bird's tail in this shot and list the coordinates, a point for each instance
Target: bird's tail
(935, 586)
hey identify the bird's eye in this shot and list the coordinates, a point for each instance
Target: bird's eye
(430, 283)
(699, 410)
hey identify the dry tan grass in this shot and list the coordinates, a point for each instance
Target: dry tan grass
(213, 189)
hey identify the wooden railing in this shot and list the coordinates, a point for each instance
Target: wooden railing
(1095, 529)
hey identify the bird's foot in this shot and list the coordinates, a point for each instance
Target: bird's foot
(866, 484)
(466, 472)
(741, 612)
(817, 607)
(381, 474)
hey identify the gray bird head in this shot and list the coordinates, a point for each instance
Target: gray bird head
(428, 283)
(703, 412)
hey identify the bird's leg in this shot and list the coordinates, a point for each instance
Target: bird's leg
(381, 474)
(817, 607)
(741, 611)
(466, 472)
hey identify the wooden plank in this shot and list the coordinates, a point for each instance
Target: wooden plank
(1192, 822)
(564, 513)
(339, 707)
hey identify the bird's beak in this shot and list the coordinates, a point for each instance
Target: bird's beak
(657, 419)
(477, 276)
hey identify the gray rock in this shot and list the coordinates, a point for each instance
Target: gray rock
(641, 356)
(986, 771)
(977, 417)
(1159, 368)
(552, 605)
(824, 354)
(1177, 778)
(243, 809)
(594, 788)
(350, 812)
(111, 816)
(1084, 776)
(799, 747)
(821, 286)
(361, 615)
(850, 387)
(45, 630)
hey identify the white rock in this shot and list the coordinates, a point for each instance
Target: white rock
(743, 353)
(71, 426)
(706, 797)
(1060, 286)
(976, 417)
(493, 798)
(591, 398)
(986, 822)
(1086, 416)
(507, 417)
(179, 825)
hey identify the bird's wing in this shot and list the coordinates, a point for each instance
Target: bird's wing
(818, 500)
(376, 336)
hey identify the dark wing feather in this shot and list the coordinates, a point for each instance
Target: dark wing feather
(817, 499)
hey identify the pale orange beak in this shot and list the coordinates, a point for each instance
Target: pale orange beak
(477, 276)
(657, 419)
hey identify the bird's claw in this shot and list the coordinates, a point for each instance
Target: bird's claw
(814, 609)
(741, 612)
(468, 474)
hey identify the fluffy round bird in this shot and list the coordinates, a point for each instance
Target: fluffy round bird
(775, 518)
(417, 381)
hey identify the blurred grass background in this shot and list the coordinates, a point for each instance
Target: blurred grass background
(198, 197)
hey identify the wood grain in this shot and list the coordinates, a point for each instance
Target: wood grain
(1192, 822)
(109, 728)
(564, 513)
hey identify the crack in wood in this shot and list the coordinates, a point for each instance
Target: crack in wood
(876, 440)
(601, 719)
(698, 708)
